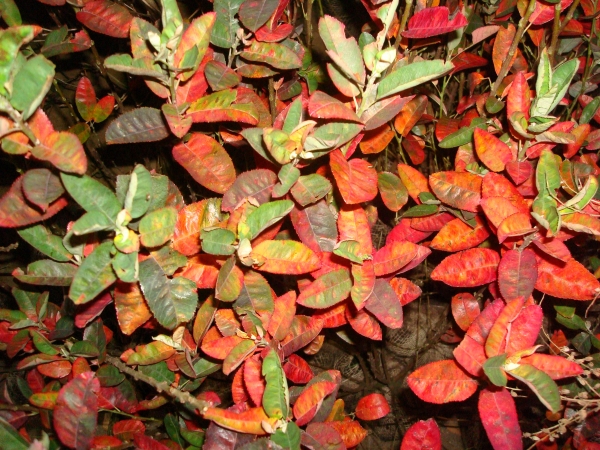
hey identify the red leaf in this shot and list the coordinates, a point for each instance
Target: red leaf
(460, 190)
(316, 226)
(106, 17)
(414, 146)
(405, 232)
(495, 344)
(202, 270)
(517, 274)
(414, 181)
(15, 211)
(393, 257)
(465, 309)
(442, 382)
(356, 179)
(405, 289)
(144, 442)
(207, 162)
(496, 185)
(524, 329)
(323, 106)
(364, 324)
(519, 98)
(76, 411)
(372, 407)
(433, 22)
(470, 354)
(85, 99)
(253, 379)
(126, 429)
(570, 280)
(297, 370)
(384, 304)
(544, 12)
(423, 435)
(481, 326)
(469, 268)
(499, 417)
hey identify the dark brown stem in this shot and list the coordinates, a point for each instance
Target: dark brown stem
(513, 47)
(555, 32)
(272, 100)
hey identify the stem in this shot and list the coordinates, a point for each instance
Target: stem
(569, 15)
(403, 22)
(160, 386)
(513, 47)
(102, 70)
(308, 19)
(555, 32)
(272, 100)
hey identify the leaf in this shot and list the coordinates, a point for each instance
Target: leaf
(499, 417)
(218, 241)
(47, 272)
(540, 383)
(41, 187)
(425, 434)
(323, 106)
(297, 370)
(316, 226)
(393, 256)
(76, 411)
(456, 235)
(57, 42)
(266, 215)
(385, 110)
(547, 174)
(519, 97)
(275, 399)
(254, 13)
(92, 195)
(495, 343)
(433, 22)
(310, 400)
(411, 75)
(85, 99)
(284, 257)
(442, 382)
(47, 243)
(301, 333)
(384, 304)
(356, 179)
(237, 355)
(310, 189)
(194, 44)
(517, 274)
(156, 227)
(570, 280)
(460, 190)
(327, 290)
(172, 301)
(249, 421)
(255, 184)
(465, 309)
(414, 181)
(229, 281)
(556, 367)
(190, 220)
(393, 193)
(132, 311)
(31, 84)
(283, 314)
(106, 17)
(226, 25)
(207, 161)
(93, 276)
(272, 53)
(138, 125)
(502, 43)
(218, 107)
(372, 407)
(491, 151)
(468, 268)
(220, 77)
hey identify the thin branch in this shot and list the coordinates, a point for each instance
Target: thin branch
(556, 26)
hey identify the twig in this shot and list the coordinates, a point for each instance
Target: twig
(555, 32)
(160, 386)
(272, 100)
(513, 47)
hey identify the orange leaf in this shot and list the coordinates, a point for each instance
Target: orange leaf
(410, 115)
(468, 268)
(514, 225)
(442, 382)
(356, 179)
(393, 257)
(351, 432)
(496, 185)
(457, 235)
(502, 43)
(495, 343)
(283, 314)
(323, 106)
(286, 257)
(190, 220)
(460, 190)
(405, 289)
(414, 181)
(554, 366)
(353, 224)
(132, 310)
(249, 421)
(310, 401)
(497, 209)
(219, 348)
(203, 270)
(570, 280)
(491, 151)
(375, 141)
(372, 407)
(364, 324)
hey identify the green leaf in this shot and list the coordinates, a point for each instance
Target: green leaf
(137, 199)
(229, 281)
(126, 266)
(562, 76)
(47, 272)
(544, 210)
(142, 67)
(254, 14)
(157, 227)
(42, 187)
(159, 371)
(10, 42)
(218, 241)
(11, 439)
(547, 174)
(421, 211)
(588, 112)
(276, 397)
(170, 12)
(350, 249)
(540, 383)
(543, 82)
(85, 349)
(31, 84)
(42, 344)
(293, 117)
(464, 135)
(237, 355)
(172, 301)
(138, 125)
(109, 376)
(226, 25)
(310, 189)
(91, 195)
(327, 290)
(10, 13)
(288, 175)
(290, 439)
(93, 276)
(412, 75)
(39, 237)
(92, 222)
(266, 215)
(494, 369)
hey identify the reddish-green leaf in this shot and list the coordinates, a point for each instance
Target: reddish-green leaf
(157, 227)
(41, 187)
(393, 256)
(249, 421)
(76, 411)
(469, 268)
(570, 280)
(442, 382)
(383, 111)
(372, 407)
(310, 188)
(255, 13)
(207, 161)
(310, 400)
(323, 106)
(327, 290)
(316, 226)
(540, 383)
(286, 257)
(138, 125)
(237, 355)
(220, 77)
(556, 367)
(491, 151)
(106, 17)
(151, 353)
(255, 184)
(425, 434)
(465, 309)
(283, 314)
(229, 281)
(460, 190)
(64, 151)
(393, 193)
(432, 22)
(85, 99)
(356, 179)
(301, 333)
(196, 35)
(499, 417)
(517, 274)
(384, 304)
